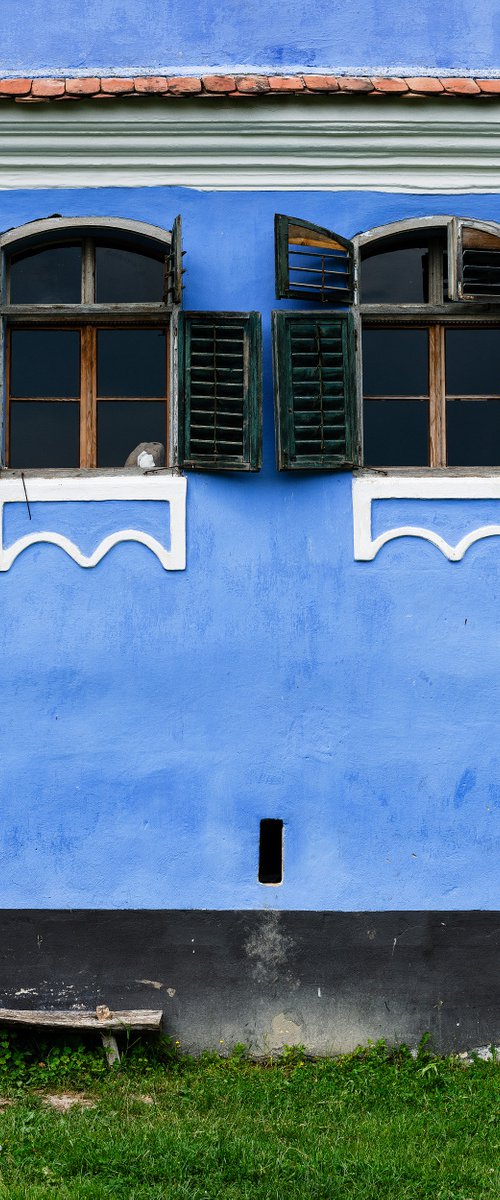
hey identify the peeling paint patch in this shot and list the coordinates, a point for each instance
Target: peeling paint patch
(268, 948)
(157, 985)
(284, 1031)
(485, 1053)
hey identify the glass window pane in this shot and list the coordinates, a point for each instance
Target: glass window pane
(45, 362)
(131, 362)
(44, 434)
(51, 276)
(473, 433)
(121, 426)
(124, 276)
(473, 362)
(396, 277)
(396, 433)
(395, 362)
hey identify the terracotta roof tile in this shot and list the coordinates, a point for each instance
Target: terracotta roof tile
(28, 90)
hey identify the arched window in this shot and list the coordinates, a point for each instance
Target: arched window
(431, 373)
(408, 373)
(87, 309)
(99, 359)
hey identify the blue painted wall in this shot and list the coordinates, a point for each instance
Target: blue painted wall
(150, 719)
(44, 36)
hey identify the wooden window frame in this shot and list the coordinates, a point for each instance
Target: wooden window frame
(88, 400)
(88, 317)
(437, 315)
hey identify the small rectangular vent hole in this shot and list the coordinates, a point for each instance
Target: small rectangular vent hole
(271, 851)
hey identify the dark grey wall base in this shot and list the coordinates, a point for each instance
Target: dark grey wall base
(329, 980)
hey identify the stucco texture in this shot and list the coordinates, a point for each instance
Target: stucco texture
(151, 719)
(55, 36)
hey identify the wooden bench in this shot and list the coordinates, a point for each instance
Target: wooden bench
(102, 1020)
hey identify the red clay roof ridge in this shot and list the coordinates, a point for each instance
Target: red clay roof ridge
(27, 90)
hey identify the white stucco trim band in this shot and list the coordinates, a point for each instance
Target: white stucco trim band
(367, 488)
(169, 488)
(394, 145)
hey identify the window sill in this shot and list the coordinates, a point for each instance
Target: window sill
(421, 484)
(34, 487)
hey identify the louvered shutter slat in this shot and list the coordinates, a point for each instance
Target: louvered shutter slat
(478, 261)
(220, 391)
(481, 273)
(312, 263)
(315, 404)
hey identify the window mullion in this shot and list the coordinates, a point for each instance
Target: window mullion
(437, 397)
(88, 419)
(435, 287)
(88, 266)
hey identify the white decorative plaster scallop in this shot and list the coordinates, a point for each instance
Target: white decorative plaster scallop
(169, 488)
(367, 488)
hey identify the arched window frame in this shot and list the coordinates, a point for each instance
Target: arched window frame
(438, 314)
(214, 389)
(55, 231)
(303, 397)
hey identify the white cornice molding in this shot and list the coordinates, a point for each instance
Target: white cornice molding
(335, 144)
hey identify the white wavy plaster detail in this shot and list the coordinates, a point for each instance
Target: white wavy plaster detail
(168, 488)
(367, 488)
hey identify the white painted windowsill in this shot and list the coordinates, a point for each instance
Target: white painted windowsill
(375, 485)
(35, 487)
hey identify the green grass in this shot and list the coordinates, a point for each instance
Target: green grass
(375, 1125)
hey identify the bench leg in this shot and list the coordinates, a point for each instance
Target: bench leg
(111, 1048)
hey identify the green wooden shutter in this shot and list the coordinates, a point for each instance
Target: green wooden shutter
(220, 391)
(174, 265)
(316, 417)
(312, 263)
(478, 262)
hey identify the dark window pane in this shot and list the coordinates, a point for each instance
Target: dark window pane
(395, 362)
(473, 433)
(396, 433)
(124, 276)
(44, 434)
(131, 362)
(45, 362)
(51, 276)
(395, 277)
(473, 362)
(121, 426)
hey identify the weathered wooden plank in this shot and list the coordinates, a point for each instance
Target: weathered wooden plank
(143, 1018)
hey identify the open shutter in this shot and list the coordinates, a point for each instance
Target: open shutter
(316, 412)
(478, 262)
(220, 391)
(312, 263)
(174, 265)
